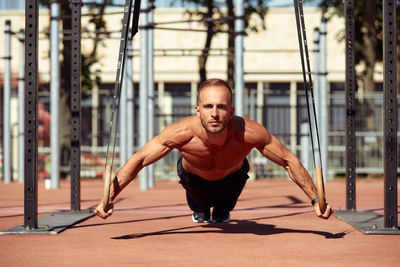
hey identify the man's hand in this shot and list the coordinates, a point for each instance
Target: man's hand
(328, 212)
(104, 213)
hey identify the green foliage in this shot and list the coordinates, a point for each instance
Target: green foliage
(332, 8)
(251, 7)
(96, 30)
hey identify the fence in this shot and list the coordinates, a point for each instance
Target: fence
(275, 116)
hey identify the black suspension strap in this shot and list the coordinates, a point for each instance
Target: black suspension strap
(308, 87)
(117, 92)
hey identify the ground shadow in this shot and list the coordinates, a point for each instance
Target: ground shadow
(234, 227)
(131, 221)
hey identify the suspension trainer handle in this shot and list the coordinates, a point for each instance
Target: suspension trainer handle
(319, 181)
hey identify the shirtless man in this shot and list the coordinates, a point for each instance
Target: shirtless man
(213, 166)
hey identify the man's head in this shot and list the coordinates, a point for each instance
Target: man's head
(214, 105)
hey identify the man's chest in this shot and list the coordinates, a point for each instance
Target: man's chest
(221, 157)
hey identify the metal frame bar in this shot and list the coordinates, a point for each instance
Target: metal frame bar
(7, 172)
(75, 104)
(369, 222)
(390, 114)
(350, 89)
(58, 221)
(31, 114)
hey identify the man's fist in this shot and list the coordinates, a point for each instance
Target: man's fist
(104, 213)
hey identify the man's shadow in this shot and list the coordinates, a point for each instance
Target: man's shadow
(233, 227)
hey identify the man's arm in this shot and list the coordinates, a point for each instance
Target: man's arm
(275, 151)
(171, 137)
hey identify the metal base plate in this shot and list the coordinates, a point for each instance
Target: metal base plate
(53, 223)
(367, 222)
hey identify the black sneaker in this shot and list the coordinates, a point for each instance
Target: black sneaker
(201, 217)
(221, 219)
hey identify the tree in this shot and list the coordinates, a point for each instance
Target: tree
(368, 42)
(219, 17)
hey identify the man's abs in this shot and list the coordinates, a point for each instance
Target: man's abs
(212, 170)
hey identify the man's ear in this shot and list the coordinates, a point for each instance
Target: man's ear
(232, 112)
(197, 110)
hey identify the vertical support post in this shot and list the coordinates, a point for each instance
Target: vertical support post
(252, 104)
(293, 116)
(21, 106)
(239, 81)
(95, 116)
(317, 70)
(6, 105)
(55, 94)
(123, 120)
(130, 100)
(390, 114)
(75, 104)
(350, 89)
(323, 105)
(317, 96)
(305, 145)
(260, 101)
(150, 84)
(31, 114)
(193, 95)
(143, 86)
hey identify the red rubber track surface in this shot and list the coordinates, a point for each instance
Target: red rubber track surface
(273, 224)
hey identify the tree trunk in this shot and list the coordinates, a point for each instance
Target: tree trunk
(207, 46)
(231, 45)
(369, 54)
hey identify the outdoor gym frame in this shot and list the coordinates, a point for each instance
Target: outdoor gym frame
(59, 221)
(370, 222)
(367, 222)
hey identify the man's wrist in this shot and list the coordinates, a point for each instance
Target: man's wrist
(315, 200)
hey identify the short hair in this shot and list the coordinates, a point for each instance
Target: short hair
(214, 82)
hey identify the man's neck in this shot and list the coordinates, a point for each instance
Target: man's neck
(215, 140)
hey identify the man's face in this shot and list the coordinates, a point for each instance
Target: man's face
(214, 108)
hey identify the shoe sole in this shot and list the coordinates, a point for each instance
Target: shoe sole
(222, 221)
(198, 221)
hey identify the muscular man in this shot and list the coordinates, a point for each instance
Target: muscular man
(213, 166)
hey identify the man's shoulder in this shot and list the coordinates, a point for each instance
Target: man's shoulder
(251, 132)
(243, 124)
(179, 132)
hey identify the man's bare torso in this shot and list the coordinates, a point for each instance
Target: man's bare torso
(213, 161)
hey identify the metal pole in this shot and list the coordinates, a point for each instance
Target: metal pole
(239, 82)
(21, 106)
(123, 120)
(55, 94)
(350, 89)
(31, 114)
(260, 101)
(193, 95)
(150, 88)
(317, 71)
(130, 100)
(143, 116)
(323, 106)
(293, 116)
(305, 145)
(76, 106)
(6, 105)
(390, 114)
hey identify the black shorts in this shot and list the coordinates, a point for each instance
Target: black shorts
(222, 194)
